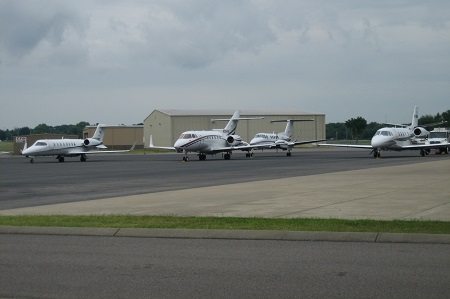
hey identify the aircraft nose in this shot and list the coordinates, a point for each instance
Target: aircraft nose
(378, 142)
(26, 151)
(179, 144)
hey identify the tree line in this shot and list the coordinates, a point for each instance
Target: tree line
(354, 128)
(77, 130)
(358, 128)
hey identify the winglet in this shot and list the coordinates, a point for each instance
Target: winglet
(24, 147)
(132, 148)
(151, 141)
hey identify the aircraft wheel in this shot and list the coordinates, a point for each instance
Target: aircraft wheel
(32, 161)
(289, 154)
(227, 156)
(422, 153)
(61, 159)
(185, 159)
(83, 158)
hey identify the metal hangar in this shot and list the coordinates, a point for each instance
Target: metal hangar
(166, 125)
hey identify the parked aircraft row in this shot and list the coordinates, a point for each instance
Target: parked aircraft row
(225, 141)
(397, 138)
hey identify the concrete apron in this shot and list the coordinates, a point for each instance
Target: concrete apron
(415, 191)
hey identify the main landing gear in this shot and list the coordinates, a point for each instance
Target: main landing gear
(424, 152)
(60, 159)
(83, 158)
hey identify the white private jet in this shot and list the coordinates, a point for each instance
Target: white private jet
(210, 142)
(70, 147)
(396, 138)
(281, 140)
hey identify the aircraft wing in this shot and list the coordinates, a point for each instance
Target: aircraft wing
(101, 152)
(307, 141)
(160, 147)
(426, 146)
(237, 147)
(405, 147)
(346, 145)
(273, 145)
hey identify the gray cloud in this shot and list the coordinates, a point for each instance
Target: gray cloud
(193, 34)
(343, 58)
(27, 25)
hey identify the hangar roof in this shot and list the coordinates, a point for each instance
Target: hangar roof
(189, 112)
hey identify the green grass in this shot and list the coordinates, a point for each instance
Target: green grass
(6, 146)
(231, 223)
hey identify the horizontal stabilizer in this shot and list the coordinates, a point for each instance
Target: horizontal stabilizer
(290, 120)
(240, 118)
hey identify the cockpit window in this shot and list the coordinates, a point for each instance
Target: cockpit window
(40, 143)
(187, 136)
(384, 133)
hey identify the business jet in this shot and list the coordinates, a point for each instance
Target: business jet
(281, 140)
(210, 142)
(397, 138)
(70, 147)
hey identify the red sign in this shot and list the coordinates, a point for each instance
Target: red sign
(21, 139)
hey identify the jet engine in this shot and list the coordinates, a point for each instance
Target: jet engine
(234, 140)
(420, 132)
(91, 142)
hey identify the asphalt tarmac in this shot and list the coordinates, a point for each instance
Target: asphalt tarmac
(117, 263)
(325, 183)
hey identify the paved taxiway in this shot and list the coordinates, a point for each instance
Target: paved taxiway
(112, 263)
(325, 183)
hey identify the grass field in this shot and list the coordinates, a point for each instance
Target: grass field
(6, 146)
(231, 223)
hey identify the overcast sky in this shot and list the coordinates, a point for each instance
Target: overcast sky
(114, 62)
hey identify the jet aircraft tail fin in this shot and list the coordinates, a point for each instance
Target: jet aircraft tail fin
(290, 125)
(99, 133)
(230, 128)
(415, 118)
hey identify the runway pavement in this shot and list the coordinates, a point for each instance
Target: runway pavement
(419, 190)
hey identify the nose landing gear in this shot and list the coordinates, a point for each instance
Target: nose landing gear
(376, 153)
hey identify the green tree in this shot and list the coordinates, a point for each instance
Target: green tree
(370, 130)
(42, 129)
(356, 126)
(336, 131)
(427, 119)
(446, 117)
